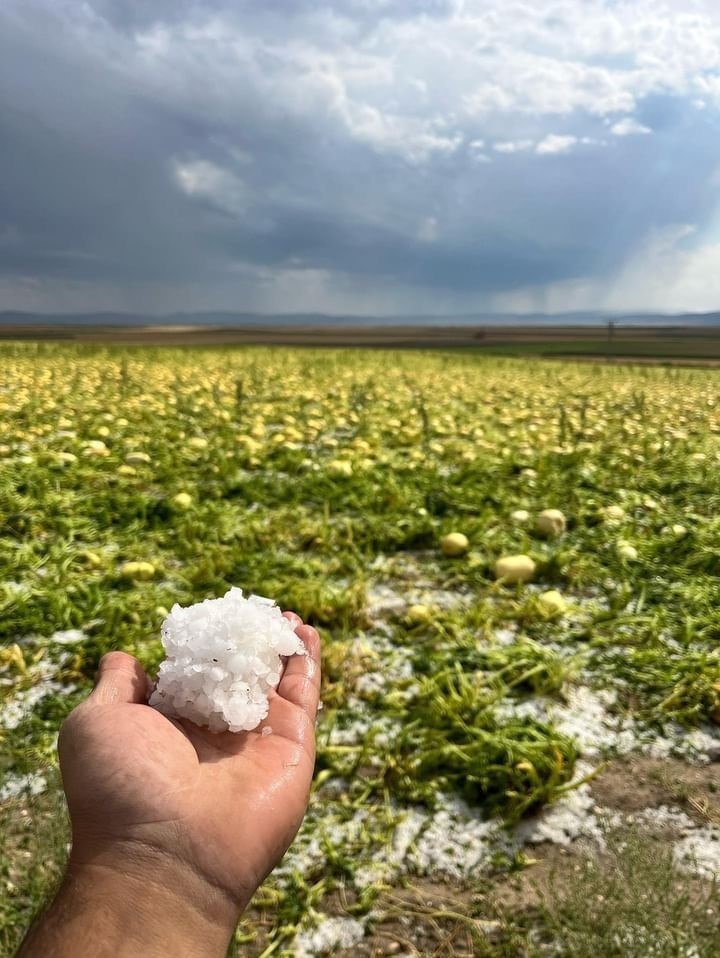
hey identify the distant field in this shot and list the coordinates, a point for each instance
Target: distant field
(690, 348)
(504, 768)
(682, 344)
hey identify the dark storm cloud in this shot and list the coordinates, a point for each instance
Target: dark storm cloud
(154, 142)
(141, 13)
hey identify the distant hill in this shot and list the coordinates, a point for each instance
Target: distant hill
(314, 320)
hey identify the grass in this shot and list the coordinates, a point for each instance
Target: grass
(35, 833)
(633, 902)
(314, 477)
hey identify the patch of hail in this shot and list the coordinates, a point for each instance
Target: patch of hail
(68, 637)
(506, 636)
(327, 825)
(699, 851)
(18, 706)
(662, 817)
(394, 665)
(358, 723)
(456, 841)
(383, 600)
(328, 936)
(14, 786)
(573, 816)
(405, 580)
(393, 859)
(586, 716)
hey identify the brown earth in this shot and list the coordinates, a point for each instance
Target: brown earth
(631, 785)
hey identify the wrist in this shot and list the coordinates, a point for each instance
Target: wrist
(130, 899)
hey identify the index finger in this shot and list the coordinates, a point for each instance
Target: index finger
(300, 683)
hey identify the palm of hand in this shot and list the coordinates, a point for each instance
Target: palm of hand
(227, 804)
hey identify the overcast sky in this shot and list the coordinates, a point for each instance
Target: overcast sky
(366, 156)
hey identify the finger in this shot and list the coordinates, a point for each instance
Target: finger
(300, 683)
(120, 679)
(293, 618)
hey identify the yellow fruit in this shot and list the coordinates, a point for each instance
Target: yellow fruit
(552, 603)
(137, 458)
(183, 500)
(550, 522)
(12, 655)
(626, 551)
(96, 447)
(454, 544)
(340, 467)
(419, 614)
(140, 571)
(520, 515)
(518, 568)
(250, 444)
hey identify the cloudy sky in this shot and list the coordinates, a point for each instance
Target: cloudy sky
(391, 156)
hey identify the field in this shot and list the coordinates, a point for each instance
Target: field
(673, 345)
(504, 768)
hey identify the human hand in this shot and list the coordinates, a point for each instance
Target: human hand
(162, 805)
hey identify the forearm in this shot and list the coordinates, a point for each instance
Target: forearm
(104, 910)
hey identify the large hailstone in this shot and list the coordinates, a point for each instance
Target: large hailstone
(223, 656)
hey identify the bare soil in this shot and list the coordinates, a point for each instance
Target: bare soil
(634, 784)
(426, 918)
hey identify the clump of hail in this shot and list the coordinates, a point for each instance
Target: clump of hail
(223, 657)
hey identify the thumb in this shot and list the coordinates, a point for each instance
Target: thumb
(120, 679)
